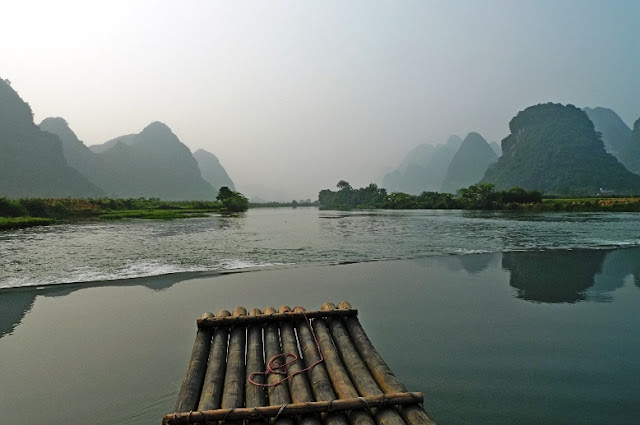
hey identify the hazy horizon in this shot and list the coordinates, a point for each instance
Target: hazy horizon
(295, 96)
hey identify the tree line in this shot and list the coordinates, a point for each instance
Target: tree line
(481, 196)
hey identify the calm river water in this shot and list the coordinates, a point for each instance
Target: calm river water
(533, 320)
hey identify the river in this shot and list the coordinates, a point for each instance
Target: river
(498, 318)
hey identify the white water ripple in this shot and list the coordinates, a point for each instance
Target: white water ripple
(278, 237)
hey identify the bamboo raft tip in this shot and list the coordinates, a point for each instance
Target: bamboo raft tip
(239, 311)
(284, 309)
(322, 362)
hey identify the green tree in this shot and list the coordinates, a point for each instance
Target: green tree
(343, 185)
(224, 193)
(237, 202)
(481, 196)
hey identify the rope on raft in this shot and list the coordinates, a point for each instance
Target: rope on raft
(274, 366)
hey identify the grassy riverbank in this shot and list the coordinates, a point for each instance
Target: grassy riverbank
(596, 204)
(22, 222)
(21, 213)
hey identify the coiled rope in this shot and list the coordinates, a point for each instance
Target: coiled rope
(274, 366)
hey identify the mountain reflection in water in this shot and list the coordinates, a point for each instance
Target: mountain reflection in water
(571, 276)
(16, 303)
(552, 276)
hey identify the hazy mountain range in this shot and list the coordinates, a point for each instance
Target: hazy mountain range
(212, 170)
(469, 163)
(31, 160)
(423, 169)
(618, 138)
(555, 148)
(632, 152)
(445, 167)
(50, 161)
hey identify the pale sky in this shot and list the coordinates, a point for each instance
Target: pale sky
(296, 95)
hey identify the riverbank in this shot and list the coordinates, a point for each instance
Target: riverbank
(7, 223)
(29, 212)
(594, 204)
(488, 338)
(17, 214)
(478, 197)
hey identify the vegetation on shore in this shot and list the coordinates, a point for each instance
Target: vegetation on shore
(28, 212)
(292, 204)
(481, 196)
(596, 204)
(22, 222)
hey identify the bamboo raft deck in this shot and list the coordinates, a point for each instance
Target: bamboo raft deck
(339, 378)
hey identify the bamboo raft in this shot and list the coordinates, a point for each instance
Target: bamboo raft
(339, 378)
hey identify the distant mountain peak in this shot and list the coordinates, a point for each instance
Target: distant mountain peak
(615, 132)
(469, 163)
(632, 152)
(454, 140)
(71, 144)
(157, 126)
(555, 148)
(32, 160)
(423, 168)
(205, 153)
(212, 171)
(474, 137)
(56, 120)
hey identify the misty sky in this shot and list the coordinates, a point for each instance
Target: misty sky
(297, 95)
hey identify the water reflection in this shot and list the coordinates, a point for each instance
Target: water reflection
(475, 263)
(16, 303)
(13, 307)
(571, 276)
(551, 276)
(617, 266)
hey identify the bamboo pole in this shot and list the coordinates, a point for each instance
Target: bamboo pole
(358, 371)
(272, 317)
(339, 377)
(388, 382)
(214, 379)
(278, 394)
(298, 383)
(255, 395)
(295, 409)
(192, 384)
(233, 393)
(320, 383)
